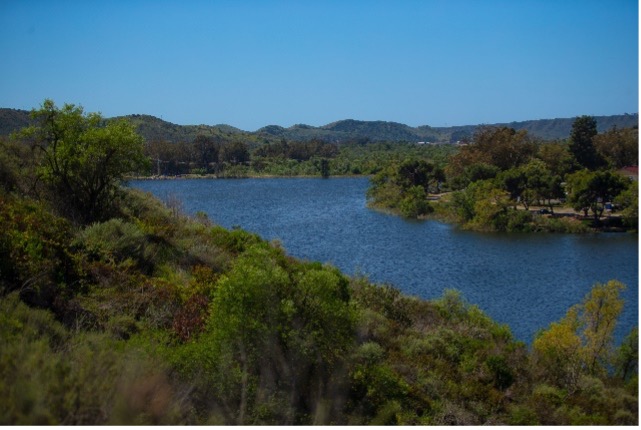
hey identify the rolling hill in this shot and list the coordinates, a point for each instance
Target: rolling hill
(153, 128)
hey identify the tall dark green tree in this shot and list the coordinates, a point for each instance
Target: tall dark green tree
(420, 173)
(206, 149)
(581, 142)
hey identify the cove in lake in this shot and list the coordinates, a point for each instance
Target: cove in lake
(523, 280)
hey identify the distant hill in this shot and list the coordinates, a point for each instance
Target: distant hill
(349, 129)
(150, 127)
(12, 120)
(550, 129)
(153, 128)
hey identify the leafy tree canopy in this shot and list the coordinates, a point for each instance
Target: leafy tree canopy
(591, 190)
(618, 146)
(501, 147)
(82, 162)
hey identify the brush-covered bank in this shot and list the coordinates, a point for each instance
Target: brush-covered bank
(152, 317)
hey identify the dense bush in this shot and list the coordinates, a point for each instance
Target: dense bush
(116, 241)
(35, 254)
(404, 188)
(53, 376)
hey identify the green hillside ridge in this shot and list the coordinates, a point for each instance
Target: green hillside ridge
(153, 128)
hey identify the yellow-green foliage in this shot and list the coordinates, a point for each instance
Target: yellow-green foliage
(582, 341)
(575, 355)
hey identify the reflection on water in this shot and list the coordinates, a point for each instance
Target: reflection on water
(524, 280)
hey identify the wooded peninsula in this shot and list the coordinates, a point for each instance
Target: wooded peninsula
(117, 309)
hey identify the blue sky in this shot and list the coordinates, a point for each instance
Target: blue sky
(255, 63)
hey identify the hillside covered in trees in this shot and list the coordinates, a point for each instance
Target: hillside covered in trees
(116, 309)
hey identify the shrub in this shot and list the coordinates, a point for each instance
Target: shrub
(52, 377)
(235, 241)
(117, 241)
(34, 250)
(501, 372)
(414, 203)
(519, 221)
(190, 319)
(522, 415)
(559, 225)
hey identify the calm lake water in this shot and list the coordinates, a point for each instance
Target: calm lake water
(523, 280)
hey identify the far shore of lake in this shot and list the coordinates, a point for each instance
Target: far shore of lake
(559, 212)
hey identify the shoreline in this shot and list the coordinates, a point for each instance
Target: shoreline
(564, 212)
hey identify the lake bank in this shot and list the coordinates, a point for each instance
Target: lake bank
(567, 213)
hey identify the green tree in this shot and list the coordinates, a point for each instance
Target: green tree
(557, 350)
(542, 184)
(589, 191)
(505, 146)
(531, 183)
(404, 187)
(491, 209)
(419, 173)
(618, 146)
(83, 161)
(277, 334)
(581, 142)
(557, 157)
(473, 173)
(324, 167)
(414, 203)
(514, 181)
(235, 153)
(206, 148)
(501, 147)
(629, 202)
(15, 163)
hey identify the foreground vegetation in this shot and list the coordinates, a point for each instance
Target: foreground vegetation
(138, 314)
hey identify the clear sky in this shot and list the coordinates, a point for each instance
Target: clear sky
(255, 63)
